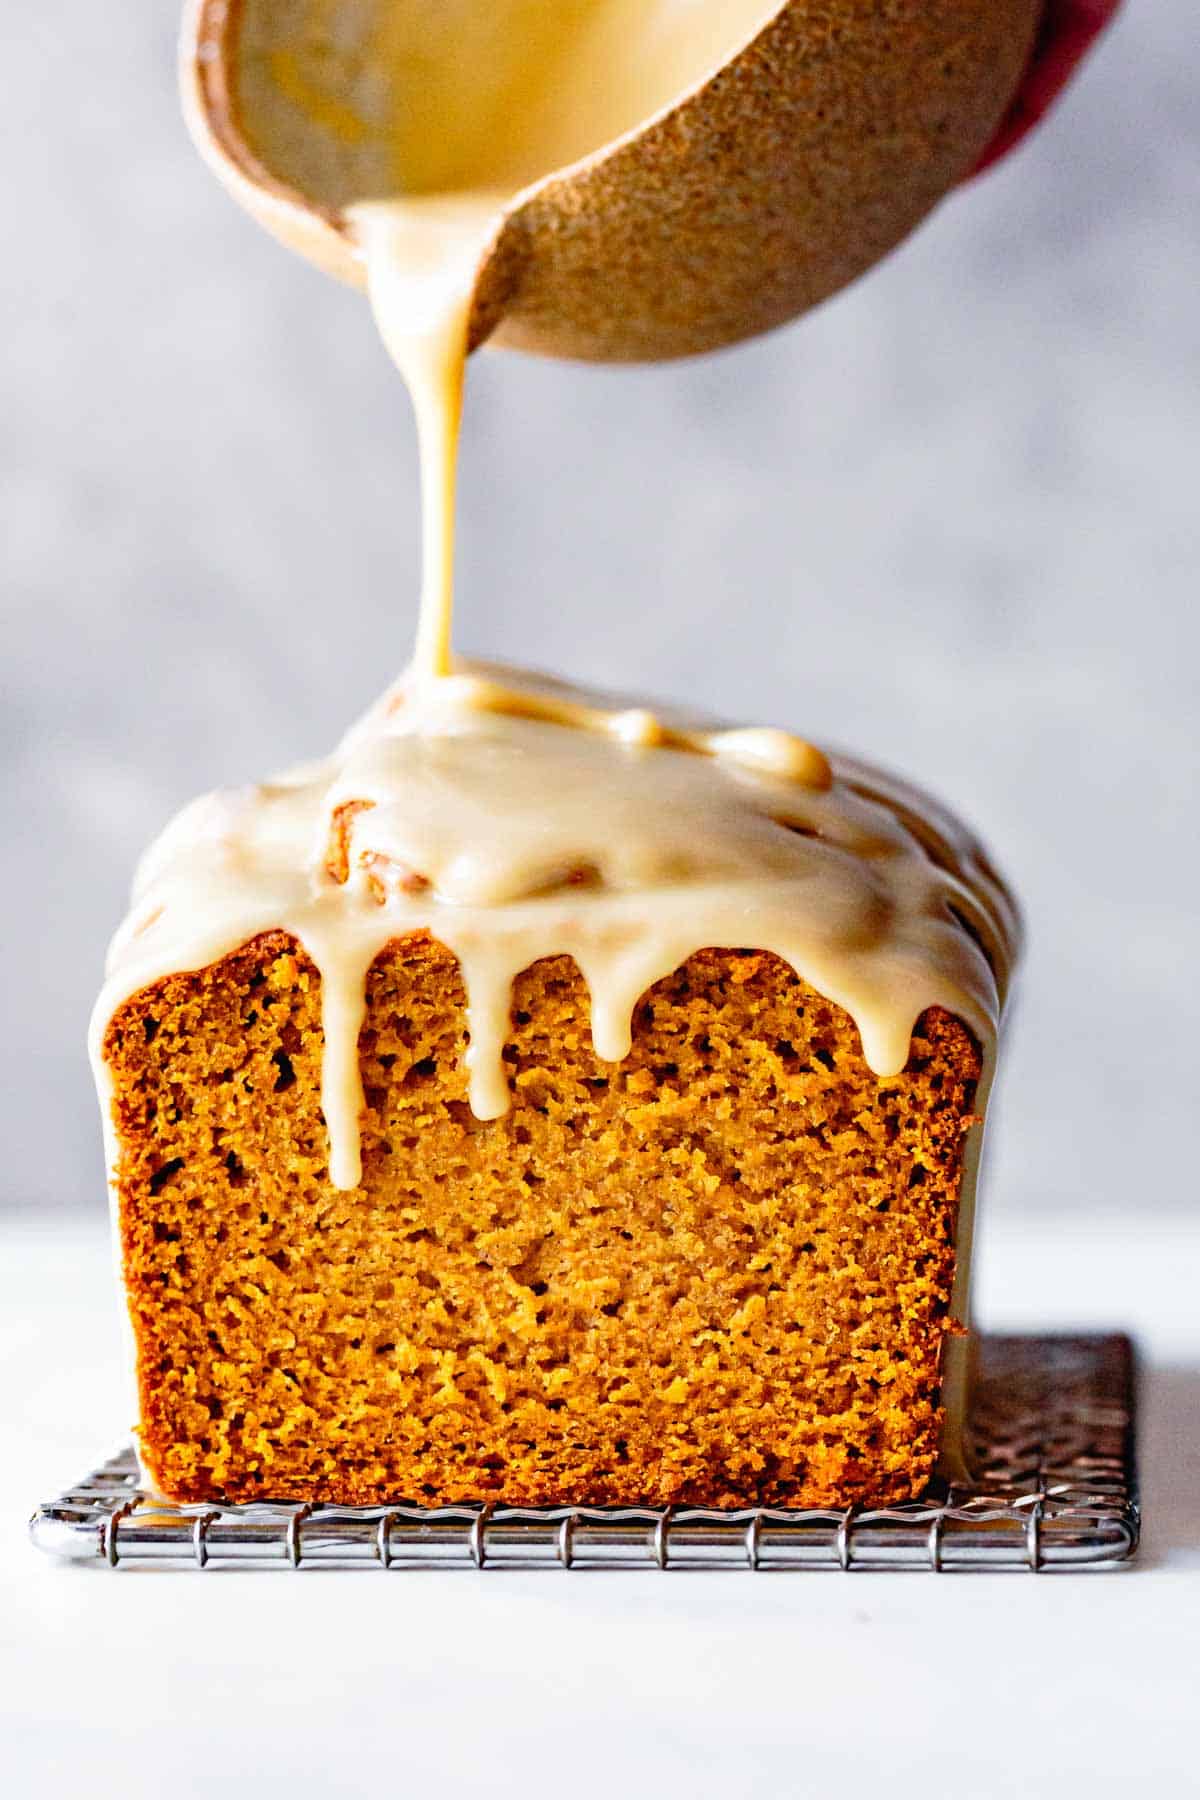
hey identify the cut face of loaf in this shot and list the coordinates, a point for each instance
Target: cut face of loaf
(716, 1273)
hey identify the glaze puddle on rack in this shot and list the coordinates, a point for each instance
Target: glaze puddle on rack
(1053, 1424)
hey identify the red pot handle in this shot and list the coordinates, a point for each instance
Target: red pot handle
(1067, 32)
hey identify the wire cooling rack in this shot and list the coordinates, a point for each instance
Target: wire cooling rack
(1053, 1425)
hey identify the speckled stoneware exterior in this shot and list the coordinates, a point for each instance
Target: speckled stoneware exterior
(805, 159)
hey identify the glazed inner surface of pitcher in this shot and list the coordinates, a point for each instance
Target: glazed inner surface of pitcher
(353, 100)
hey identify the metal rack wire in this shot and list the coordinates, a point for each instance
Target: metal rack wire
(1053, 1425)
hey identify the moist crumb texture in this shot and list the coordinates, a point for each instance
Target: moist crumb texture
(717, 1273)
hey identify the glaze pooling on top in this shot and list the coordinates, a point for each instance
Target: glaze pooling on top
(514, 819)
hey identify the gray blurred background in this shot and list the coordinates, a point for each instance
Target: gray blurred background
(950, 521)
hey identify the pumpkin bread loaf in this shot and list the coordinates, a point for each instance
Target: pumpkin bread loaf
(716, 1273)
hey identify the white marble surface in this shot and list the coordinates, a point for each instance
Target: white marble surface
(143, 1684)
(951, 520)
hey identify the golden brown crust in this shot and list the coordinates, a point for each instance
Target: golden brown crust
(716, 1273)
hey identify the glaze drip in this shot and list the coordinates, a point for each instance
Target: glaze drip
(513, 818)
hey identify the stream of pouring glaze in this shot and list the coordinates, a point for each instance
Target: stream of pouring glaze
(509, 816)
(446, 114)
